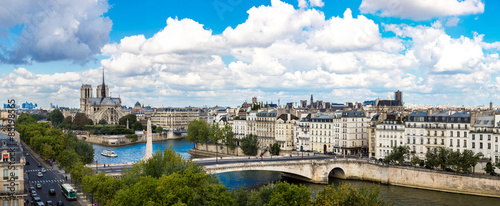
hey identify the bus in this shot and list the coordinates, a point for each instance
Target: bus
(68, 191)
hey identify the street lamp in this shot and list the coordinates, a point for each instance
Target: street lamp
(96, 170)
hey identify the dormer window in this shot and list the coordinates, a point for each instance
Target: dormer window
(5, 157)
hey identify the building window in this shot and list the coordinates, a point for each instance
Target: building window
(435, 141)
(458, 134)
(465, 134)
(6, 202)
(442, 141)
(428, 140)
(5, 174)
(465, 143)
(451, 134)
(473, 145)
(473, 137)
(480, 145)
(496, 148)
(489, 137)
(480, 137)
(489, 145)
(458, 143)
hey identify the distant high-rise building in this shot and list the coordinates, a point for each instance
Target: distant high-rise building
(312, 101)
(398, 95)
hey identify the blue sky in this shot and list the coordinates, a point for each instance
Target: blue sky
(223, 52)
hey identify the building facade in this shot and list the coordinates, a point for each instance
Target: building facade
(285, 124)
(175, 118)
(12, 165)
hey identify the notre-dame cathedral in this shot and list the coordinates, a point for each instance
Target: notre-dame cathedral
(101, 107)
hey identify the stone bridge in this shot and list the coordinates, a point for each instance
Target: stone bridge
(316, 171)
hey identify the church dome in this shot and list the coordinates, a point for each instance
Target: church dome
(137, 104)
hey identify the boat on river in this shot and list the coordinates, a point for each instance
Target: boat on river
(109, 153)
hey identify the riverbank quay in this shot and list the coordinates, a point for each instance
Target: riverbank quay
(122, 140)
(212, 150)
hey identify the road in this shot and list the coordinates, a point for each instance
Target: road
(51, 179)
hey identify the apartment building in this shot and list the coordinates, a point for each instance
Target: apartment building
(175, 118)
(484, 136)
(265, 127)
(239, 128)
(322, 137)
(302, 139)
(252, 123)
(354, 132)
(389, 133)
(285, 131)
(12, 165)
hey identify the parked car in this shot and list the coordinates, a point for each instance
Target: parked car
(331, 153)
(36, 199)
(39, 186)
(315, 152)
(32, 189)
(406, 163)
(33, 192)
(40, 204)
(449, 169)
(391, 163)
(380, 159)
(40, 174)
(52, 191)
(27, 154)
(494, 174)
(60, 203)
(49, 203)
(373, 159)
(428, 167)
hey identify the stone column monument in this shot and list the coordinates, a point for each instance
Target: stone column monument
(149, 142)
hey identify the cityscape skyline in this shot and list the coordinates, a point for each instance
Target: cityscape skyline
(225, 52)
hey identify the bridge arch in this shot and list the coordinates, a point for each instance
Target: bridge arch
(337, 172)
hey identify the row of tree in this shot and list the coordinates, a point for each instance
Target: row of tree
(200, 131)
(167, 179)
(52, 143)
(438, 157)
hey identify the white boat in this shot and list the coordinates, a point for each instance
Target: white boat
(109, 153)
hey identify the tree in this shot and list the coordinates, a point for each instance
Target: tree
(25, 118)
(103, 188)
(80, 171)
(47, 151)
(84, 149)
(215, 135)
(103, 122)
(159, 129)
(275, 149)
(132, 118)
(415, 160)
(80, 120)
(443, 155)
(228, 137)
(431, 158)
(348, 195)
(56, 117)
(398, 154)
(68, 120)
(489, 168)
(68, 159)
(249, 144)
(289, 194)
(137, 126)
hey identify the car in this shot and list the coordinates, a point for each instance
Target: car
(32, 188)
(39, 186)
(380, 159)
(331, 153)
(52, 191)
(40, 174)
(36, 199)
(39, 165)
(33, 192)
(373, 159)
(40, 204)
(406, 163)
(44, 170)
(428, 167)
(48, 202)
(449, 169)
(27, 163)
(494, 174)
(60, 203)
(315, 152)
(391, 163)
(27, 154)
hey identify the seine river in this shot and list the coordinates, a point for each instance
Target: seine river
(394, 194)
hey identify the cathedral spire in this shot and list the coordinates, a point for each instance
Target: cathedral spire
(103, 88)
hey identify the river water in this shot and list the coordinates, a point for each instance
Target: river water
(394, 194)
